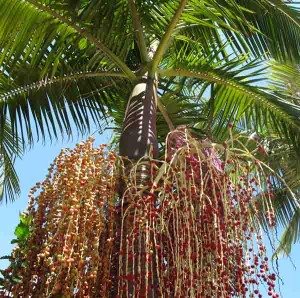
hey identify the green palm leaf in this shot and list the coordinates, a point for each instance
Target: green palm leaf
(236, 98)
(9, 149)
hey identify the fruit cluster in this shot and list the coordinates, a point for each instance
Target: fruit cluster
(180, 227)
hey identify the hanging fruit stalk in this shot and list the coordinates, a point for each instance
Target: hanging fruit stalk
(192, 231)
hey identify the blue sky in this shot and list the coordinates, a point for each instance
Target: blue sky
(33, 168)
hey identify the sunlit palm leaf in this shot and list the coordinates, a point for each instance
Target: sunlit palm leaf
(286, 79)
(236, 98)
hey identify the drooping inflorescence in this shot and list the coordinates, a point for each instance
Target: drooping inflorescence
(71, 211)
(186, 229)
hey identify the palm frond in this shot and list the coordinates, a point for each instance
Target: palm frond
(36, 21)
(49, 107)
(285, 78)
(290, 236)
(236, 98)
(9, 149)
(285, 182)
(263, 29)
(279, 25)
(287, 212)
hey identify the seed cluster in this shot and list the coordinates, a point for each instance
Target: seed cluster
(71, 210)
(179, 227)
(192, 234)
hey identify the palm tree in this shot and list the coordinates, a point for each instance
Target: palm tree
(148, 67)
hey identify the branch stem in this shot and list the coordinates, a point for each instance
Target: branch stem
(138, 31)
(49, 81)
(165, 114)
(165, 41)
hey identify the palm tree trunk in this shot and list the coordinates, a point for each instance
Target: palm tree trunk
(138, 139)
